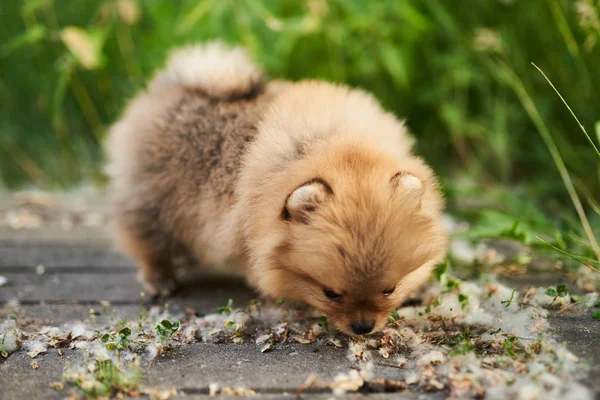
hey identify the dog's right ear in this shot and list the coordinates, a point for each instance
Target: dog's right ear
(305, 200)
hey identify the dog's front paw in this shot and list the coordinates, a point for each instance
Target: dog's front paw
(158, 285)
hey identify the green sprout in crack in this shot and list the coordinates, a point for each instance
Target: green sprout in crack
(108, 379)
(441, 273)
(436, 302)
(143, 317)
(495, 332)
(166, 329)
(226, 309)
(121, 323)
(463, 344)
(253, 306)
(463, 349)
(461, 337)
(575, 298)
(452, 285)
(280, 301)
(596, 315)
(394, 316)
(229, 323)
(463, 300)
(323, 322)
(508, 302)
(560, 291)
(512, 345)
(118, 341)
(240, 330)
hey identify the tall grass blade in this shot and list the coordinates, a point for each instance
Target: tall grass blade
(515, 82)
(582, 260)
(569, 108)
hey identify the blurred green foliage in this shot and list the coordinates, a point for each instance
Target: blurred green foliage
(453, 69)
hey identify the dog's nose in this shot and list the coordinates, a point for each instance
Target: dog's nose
(360, 328)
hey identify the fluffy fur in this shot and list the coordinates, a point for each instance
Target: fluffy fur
(311, 187)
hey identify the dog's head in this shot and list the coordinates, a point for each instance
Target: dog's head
(358, 239)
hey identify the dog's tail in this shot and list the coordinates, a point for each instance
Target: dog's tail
(215, 69)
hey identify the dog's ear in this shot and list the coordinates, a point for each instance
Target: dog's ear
(408, 188)
(305, 200)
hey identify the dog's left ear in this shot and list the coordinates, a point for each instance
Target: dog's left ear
(305, 200)
(408, 188)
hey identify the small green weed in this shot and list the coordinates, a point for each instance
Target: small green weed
(462, 342)
(440, 272)
(323, 322)
(463, 300)
(393, 316)
(107, 380)
(442, 275)
(229, 323)
(226, 309)
(512, 345)
(118, 341)
(166, 329)
(508, 302)
(253, 306)
(463, 349)
(559, 291)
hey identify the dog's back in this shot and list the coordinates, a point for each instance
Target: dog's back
(174, 157)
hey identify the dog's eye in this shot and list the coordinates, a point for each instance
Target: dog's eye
(389, 291)
(331, 295)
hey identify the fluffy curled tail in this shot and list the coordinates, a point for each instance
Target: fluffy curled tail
(219, 71)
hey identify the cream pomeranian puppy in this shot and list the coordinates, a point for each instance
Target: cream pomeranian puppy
(310, 187)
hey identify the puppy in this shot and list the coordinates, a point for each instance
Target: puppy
(310, 187)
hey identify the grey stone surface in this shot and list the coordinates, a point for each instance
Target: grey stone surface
(19, 380)
(202, 293)
(30, 317)
(61, 287)
(59, 256)
(192, 368)
(198, 365)
(581, 332)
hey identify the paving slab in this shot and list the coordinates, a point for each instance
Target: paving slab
(581, 332)
(192, 368)
(60, 255)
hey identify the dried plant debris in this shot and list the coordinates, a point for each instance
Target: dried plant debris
(471, 340)
(215, 389)
(465, 338)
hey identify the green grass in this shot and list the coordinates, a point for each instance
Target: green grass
(461, 74)
(106, 379)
